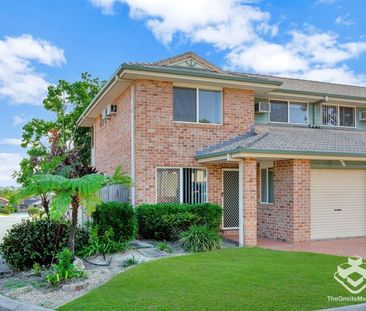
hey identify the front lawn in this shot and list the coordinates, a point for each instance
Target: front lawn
(230, 279)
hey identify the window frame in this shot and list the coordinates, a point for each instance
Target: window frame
(181, 192)
(288, 111)
(265, 167)
(338, 115)
(202, 88)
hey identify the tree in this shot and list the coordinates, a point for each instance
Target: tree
(49, 140)
(80, 191)
(66, 101)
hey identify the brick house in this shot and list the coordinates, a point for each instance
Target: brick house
(286, 158)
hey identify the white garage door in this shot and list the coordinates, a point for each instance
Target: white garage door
(338, 203)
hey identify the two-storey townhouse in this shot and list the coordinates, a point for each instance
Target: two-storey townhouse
(286, 158)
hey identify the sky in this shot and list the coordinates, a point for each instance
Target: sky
(42, 42)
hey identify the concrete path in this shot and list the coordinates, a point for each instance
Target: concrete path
(7, 221)
(7, 304)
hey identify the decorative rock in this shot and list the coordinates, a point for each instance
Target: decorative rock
(74, 287)
(4, 268)
(79, 263)
(20, 291)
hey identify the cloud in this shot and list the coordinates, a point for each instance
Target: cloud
(10, 141)
(20, 81)
(9, 164)
(344, 20)
(18, 119)
(248, 36)
(212, 21)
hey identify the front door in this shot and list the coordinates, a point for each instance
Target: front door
(230, 200)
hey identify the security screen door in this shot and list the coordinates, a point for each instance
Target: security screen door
(231, 199)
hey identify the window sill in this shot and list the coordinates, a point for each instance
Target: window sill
(264, 203)
(196, 124)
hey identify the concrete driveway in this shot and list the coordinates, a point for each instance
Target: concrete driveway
(341, 247)
(7, 221)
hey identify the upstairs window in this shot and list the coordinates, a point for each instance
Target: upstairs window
(197, 105)
(333, 115)
(289, 112)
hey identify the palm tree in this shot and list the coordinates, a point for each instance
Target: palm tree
(81, 191)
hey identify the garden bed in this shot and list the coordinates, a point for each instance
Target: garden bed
(31, 289)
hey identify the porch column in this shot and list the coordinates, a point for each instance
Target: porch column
(248, 202)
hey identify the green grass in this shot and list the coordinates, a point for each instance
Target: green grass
(230, 279)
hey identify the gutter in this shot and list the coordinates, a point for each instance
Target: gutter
(340, 96)
(279, 152)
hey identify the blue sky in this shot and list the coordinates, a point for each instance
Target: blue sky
(44, 41)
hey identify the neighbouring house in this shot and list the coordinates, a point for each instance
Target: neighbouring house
(286, 158)
(27, 203)
(3, 202)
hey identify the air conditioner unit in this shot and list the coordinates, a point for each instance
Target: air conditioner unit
(262, 107)
(363, 116)
(111, 110)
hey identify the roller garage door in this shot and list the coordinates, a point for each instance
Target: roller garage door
(338, 203)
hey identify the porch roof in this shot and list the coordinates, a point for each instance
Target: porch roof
(278, 139)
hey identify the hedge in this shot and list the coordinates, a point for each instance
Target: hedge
(166, 221)
(120, 217)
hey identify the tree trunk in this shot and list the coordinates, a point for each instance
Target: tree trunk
(45, 202)
(74, 221)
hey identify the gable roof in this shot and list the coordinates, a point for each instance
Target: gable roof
(309, 87)
(189, 65)
(292, 140)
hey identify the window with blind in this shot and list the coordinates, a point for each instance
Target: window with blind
(267, 185)
(181, 185)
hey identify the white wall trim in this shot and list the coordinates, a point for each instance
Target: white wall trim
(241, 203)
(133, 149)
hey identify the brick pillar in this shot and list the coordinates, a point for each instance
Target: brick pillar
(301, 201)
(292, 210)
(250, 202)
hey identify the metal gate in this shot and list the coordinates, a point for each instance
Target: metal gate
(230, 200)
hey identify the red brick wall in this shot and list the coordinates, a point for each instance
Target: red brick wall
(162, 142)
(250, 202)
(113, 142)
(288, 218)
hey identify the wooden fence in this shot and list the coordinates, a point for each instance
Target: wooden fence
(114, 193)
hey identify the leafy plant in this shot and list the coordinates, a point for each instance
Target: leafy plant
(167, 221)
(200, 239)
(64, 270)
(36, 241)
(130, 262)
(37, 269)
(34, 212)
(163, 246)
(101, 245)
(120, 217)
(72, 191)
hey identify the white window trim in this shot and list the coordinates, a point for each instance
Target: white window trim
(180, 180)
(338, 115)
(264, 167)
(288, 111)
(198, 106)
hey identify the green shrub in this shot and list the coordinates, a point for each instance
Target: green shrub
(35, 241)
(64, 270)
(200, 239)
(37, 269)
(163, 246)
(101, 245)
(120, 217)
(130, 262)
(34, 212)
(166, 221)
(5, 211)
